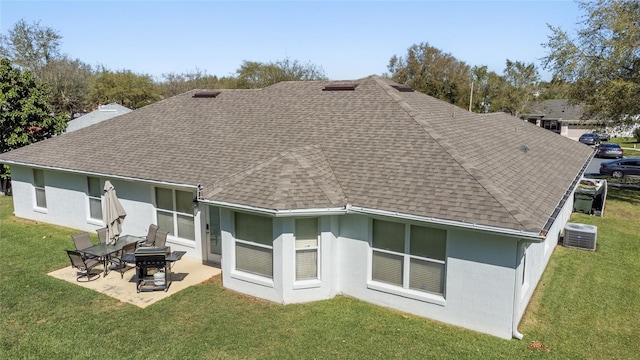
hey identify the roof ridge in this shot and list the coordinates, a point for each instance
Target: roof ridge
(335, 197)
(470, 169)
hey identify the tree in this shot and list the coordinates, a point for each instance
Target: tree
(522, 80)
(122, 87)
(602, 61)
(30, 46)
(252, 75)
(69, 83)
(25, 115)
(433, 72)
(175, 84)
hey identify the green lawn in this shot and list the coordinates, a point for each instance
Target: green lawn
(586, 307)
(628, 143)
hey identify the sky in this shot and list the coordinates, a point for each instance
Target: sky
(347, 39)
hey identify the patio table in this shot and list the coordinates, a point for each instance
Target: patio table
(104, 251)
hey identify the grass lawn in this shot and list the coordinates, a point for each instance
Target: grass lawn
(585, 307)
(628, 143)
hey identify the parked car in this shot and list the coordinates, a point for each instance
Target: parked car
(603, 135)
(589, 139)
(609, 150)
(621, 167)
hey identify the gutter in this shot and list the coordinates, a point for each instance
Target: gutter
(275, 212)
(110, 176)
(520, 234)
(566, 196)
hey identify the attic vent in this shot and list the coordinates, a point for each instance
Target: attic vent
(403, 88)
(580, 236)
(340, 87)
(524, 148)
(206, 94)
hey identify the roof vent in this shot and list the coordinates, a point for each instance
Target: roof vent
(340, 87)
(403, 88)
(206, 94)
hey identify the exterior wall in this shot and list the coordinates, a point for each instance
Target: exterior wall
(489, 278)
(68, 204)
(480, 274)
(537, 258)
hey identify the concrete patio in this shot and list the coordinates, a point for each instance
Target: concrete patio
(186, 272)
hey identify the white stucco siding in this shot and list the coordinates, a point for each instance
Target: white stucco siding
(537, 258)
(479, 280)
(68, 204)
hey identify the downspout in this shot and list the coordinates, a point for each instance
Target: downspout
(516, 294)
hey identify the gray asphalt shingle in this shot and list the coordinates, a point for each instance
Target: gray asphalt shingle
(295, 146)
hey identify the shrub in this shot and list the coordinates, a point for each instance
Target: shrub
(636, 134)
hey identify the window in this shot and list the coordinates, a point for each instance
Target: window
(38, 183)
(174, 209)
(95, 199)
(409, 256)
(306, 235)
(254, 244)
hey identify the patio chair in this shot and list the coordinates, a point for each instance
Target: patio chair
(161, 238)
(82, 240)
(122, 258)
(83, 264)
(102, 235)
(150, 240)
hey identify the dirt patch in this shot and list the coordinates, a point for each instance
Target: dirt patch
(538, 346)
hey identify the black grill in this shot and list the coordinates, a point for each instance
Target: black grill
(151, 261)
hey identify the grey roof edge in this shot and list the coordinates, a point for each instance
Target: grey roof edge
(97, 174)
(491, 189)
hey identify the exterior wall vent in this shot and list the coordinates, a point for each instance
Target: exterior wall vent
(340, 87)
(403, 88)
(581, 236)
(206, 94)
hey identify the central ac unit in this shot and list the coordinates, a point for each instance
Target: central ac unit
(581, 236)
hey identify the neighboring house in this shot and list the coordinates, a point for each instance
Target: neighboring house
(103, 113)
(302, 191)
(561, 117)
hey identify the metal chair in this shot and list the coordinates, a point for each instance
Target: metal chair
(82, 240)
(161, 238)
(150, 240)
(123, 258)
(102, 235)
(83, 264)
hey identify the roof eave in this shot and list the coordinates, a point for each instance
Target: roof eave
(97, 174)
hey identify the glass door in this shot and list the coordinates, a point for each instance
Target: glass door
(214, 242)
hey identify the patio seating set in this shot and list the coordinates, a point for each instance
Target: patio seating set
(126, 253)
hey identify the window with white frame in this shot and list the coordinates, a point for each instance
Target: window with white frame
(409, 256)
(306, 234)
(174, 209)
(38, 184)
(95, 198)
(254, 244)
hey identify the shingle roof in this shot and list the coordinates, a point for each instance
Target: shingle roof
(105, 112)
(557, 109)
(294, 146)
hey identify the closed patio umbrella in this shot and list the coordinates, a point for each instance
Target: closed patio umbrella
(112, 213)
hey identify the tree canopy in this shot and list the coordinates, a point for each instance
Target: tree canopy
(252, 75)
(602, 60)
(30, 46)
(25, 115)
(433, 72)
(123, 87)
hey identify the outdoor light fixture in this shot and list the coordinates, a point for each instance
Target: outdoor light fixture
(198, 196)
